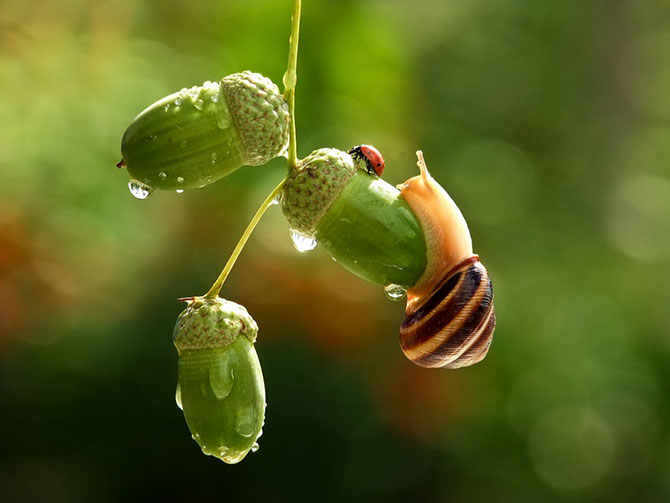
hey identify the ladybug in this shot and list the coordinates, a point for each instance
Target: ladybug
(374, 162)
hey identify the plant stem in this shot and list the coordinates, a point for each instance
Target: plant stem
(216, 287)
(290, 79)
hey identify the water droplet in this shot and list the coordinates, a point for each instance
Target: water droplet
(394, 292)
(302, 243)
(178, 102)
(199, 104)
(183, 143)
(213, 157)
(255, 447)
(276, 200)
(179, 191)
(223, 122)
(139, 190)
(177, 397)
(221, 377)
(162, 175)
(215, 98)
(180, 179)
(246, 422)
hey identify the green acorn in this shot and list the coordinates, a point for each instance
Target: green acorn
(220, 386)
(361, 220)
(196, 136)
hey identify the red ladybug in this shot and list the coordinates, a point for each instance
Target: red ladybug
(374, 162)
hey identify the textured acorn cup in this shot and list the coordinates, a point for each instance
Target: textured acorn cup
(220, 386)
(361, 220)
(197, 136)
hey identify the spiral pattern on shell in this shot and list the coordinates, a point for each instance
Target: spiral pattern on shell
(453, 325)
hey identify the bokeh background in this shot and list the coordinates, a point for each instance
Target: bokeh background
(548, 122)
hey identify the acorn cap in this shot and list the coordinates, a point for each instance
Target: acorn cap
(313, 185)
(260, 113)
(212, 323)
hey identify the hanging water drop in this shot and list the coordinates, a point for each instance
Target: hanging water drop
(255, 447)
(180, 179)
(394, 292)
(223, 123)
(178, 102)
(179, 191)
(276, 200)
(199, 104)
(303, 243)
(139, 190)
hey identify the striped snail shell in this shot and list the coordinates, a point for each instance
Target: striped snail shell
(449, 318)
(453, 325)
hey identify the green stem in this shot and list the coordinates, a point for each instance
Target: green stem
(290, 79)
(216, 287)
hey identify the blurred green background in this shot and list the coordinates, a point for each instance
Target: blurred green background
(548, 122)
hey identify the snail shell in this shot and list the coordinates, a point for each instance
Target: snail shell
(450, 317)
(453, 325)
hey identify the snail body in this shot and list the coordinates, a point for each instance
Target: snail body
(449, 317)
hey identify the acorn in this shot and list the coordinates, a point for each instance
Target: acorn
(197, 136)
(361, 220)
(220, 384)
(412, 239)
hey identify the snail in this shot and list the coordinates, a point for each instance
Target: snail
(196, 136)
(450, 317)
(415, 238)
(220, 385)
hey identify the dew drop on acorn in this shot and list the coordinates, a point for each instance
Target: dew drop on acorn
(223, 123)
(246, 422)
(177, 397)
